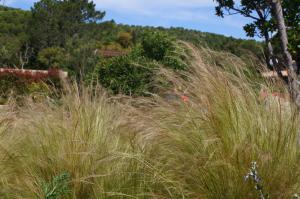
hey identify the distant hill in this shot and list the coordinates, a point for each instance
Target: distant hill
(213, 41)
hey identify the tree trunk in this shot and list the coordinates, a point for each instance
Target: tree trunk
(298, 60)
(282, 33)
(270, 53)
(294, 84)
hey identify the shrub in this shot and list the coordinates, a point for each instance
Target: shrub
(128, 75)
(161, 47)
(176, 59)
(156, 45)
(134, 74)
(125, 39)
(38, 86)
(110, 46)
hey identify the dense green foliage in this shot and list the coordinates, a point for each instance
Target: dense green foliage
(55, 29)
(54, 21)
(52, 57)
(13, 35)
(127, 74)
(58, 187)
(156, 45)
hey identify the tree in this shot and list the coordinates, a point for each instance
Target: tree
(75, 13)
(25, 55)
(278, 14)
(54, 21)
(52, 57)
(257, 10)
(13, 35)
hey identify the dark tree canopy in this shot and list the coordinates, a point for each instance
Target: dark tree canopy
(13, 35)
(54, 21)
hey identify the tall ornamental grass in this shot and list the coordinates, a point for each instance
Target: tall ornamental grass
(79, 147)
(207, 143)
(198, 144)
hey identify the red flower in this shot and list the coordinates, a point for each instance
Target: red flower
(184, 98)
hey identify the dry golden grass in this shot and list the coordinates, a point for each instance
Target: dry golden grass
(151, 147)
(207, 144)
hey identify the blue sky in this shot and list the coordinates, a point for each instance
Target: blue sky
(192, 14)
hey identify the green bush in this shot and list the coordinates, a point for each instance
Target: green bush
(52, 57)
(161, 47)
(156, 45)
(135, 74)
(175, 59)
(128, 75)
(125, 39)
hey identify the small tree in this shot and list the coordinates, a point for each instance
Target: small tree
(24, 56)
